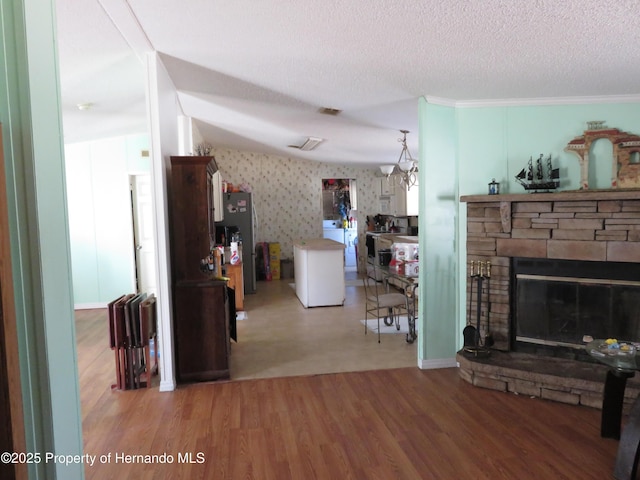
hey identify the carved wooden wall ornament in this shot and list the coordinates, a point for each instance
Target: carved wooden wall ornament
(625, 168)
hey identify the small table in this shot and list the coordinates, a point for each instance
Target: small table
(621, 367)
(409, 285)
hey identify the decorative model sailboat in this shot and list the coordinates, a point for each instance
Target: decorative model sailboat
(539, 179)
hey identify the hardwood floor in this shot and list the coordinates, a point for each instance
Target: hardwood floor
(402, 423)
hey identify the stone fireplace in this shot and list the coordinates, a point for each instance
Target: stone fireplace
(560, 234)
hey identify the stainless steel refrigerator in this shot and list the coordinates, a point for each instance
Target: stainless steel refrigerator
(239, 212)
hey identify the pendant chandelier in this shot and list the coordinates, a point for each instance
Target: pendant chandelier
(406, 170)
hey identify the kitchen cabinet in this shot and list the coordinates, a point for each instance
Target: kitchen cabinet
(404, 202)
(201, 330)
(216, 195)
(387, 186)
(202, 322)
(412, 200)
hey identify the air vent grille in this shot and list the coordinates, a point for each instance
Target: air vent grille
(309, 144)
(330, 111)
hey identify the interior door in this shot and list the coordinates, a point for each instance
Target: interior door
(144, 245)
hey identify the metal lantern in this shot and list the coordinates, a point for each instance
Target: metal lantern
(494, 187)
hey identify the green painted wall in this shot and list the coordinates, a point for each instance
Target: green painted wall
(32, 128)
(438, 213)
(498, 141)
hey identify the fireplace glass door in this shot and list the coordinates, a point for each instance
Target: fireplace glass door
(559, 306)
(561, 311)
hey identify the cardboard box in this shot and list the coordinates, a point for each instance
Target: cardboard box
(274, 251)
(405, 252)
(274, 267)
(411, 268)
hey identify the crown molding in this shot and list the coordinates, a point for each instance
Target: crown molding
(523, 102)
(445, 102)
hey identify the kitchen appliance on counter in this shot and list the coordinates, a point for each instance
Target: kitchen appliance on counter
(239, 218)
(225, 234)
(384, 256)
(377, 242)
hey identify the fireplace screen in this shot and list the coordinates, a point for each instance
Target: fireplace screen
(560, 309)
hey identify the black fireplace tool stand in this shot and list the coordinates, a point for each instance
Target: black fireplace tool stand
(474, 345)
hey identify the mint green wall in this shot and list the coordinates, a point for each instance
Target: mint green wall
(438, 213)
(32, 129)
(482, 148)
(498, 141)
(100, 222)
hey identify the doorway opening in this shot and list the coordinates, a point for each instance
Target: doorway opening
(142, 225)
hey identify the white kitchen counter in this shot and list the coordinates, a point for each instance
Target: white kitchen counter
(319, 272)
(319, 244)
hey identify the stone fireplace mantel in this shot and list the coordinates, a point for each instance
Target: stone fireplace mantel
(569, 196)
(591, 225)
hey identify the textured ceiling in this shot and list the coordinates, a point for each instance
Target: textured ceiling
(253, 74)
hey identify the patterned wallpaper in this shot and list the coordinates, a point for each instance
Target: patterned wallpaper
(287, 194)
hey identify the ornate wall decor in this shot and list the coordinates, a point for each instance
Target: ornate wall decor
(625, 168)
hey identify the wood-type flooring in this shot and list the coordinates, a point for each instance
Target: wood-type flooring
(386, 422)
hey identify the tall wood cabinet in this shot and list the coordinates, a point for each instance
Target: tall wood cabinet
(201, 312)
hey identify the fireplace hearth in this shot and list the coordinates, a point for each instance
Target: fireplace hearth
(563, 265)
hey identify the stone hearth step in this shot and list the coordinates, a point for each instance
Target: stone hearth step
(551, 378)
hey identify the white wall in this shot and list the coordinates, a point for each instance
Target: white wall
(164, 115)
(100, 223)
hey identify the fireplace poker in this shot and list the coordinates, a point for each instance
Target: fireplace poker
(469, 332)
(488, 338)
(479, 279)
(472, 344)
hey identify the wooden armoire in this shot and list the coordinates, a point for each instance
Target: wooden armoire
(201, 307)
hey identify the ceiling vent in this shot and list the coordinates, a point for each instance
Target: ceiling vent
(330, 111)
(309, 144)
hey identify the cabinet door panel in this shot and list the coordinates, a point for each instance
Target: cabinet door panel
(191, 222)
(201, 332)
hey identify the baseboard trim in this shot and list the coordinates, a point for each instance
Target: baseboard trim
(89, 306)
(167, 386)
(426, 364)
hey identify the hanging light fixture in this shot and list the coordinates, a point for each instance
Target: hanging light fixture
(406, 170)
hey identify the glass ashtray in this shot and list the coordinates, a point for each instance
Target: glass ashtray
(622, 349)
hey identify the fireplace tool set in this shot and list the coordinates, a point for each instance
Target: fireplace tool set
(474, 344)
